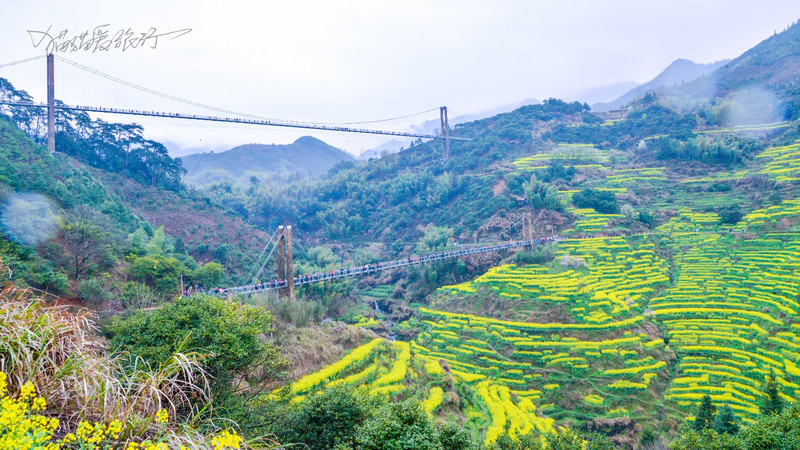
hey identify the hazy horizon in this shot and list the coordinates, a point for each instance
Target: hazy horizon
(360, 61)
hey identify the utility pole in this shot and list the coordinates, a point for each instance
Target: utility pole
(51, 104)
(445, 133)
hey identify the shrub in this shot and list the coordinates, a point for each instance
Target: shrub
(229, 334)
(539, 255)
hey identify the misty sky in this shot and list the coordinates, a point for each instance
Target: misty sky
(349, 61)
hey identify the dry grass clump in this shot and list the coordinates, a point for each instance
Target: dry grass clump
(56, 351)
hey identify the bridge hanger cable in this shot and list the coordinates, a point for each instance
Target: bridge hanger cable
(217, 109)
(22, 61)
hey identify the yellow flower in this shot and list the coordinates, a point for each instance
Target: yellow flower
(28, 391)
(162, 416)
(226, 439)
(38, 404)
(114, 429)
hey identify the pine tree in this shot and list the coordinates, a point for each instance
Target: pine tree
(726, 421)
(772, 403)
(705, 414)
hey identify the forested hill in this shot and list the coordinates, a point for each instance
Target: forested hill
(305, 157)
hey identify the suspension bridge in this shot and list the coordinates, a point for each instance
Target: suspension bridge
(246, 119)
(281, 242)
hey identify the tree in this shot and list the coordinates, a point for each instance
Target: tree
(399, 426)
(86, 244)
(602, 201)
(160, 272)
(327, 419)
(726, 421)
(771, 402)
(434, 239)
(705, 414)
(541, 195)
(209, 275)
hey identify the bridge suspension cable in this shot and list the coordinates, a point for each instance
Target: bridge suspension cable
(22, 61)
(223, 110)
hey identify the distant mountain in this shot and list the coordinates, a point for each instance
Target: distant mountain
(680, 71)
(306, 156)
(760, 86)
(606, 93)
(387, 148)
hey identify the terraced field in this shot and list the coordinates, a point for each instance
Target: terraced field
(641, 325)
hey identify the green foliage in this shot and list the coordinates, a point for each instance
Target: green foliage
(564, 439)
(137, 296)
(398, 426)
(705, 414)
(540, 254)
(327, 419)
(94, 292)
(602, 201)
(726, 421)
(648, 436)
(454, 437)
(726, 149)
(210, 275)
(229, 334)
(159, 272)
(771, 402)
(649, 118)
(556, 171)
(114, 147)
(87, 245)
(541, 195)
(769, 432)
(434, 239)
(707, 439)
(774, 431)
(647, 219)
(222, 253)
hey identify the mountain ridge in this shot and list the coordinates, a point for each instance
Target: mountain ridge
(306, 156)
(679, 71)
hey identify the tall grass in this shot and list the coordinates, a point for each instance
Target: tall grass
(58, 352)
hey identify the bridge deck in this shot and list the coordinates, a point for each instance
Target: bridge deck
(247, 121)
